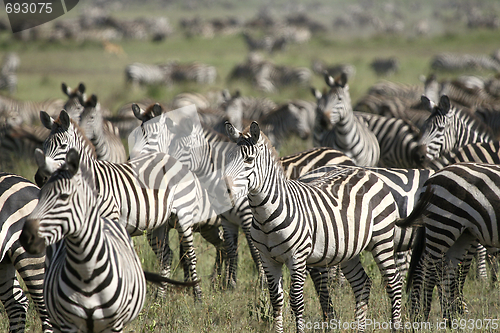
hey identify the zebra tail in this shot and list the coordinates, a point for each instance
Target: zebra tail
(418, 247)
(157, 279)
(414, 218)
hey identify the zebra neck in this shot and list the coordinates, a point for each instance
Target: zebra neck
(346, 122)
(86, 251)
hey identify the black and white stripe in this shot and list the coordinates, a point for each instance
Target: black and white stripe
(18, 198)
(459, 212)
(337, 126)
(146, 190)
(287, 228)
(94, 280)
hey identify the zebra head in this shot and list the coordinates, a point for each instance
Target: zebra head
(335, 104)
(62, 207)
(64, 134)
(73, 105)
(91, 119)
(252, 158)
(151, 111)
(438, 132)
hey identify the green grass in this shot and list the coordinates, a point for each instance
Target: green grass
(45, 65)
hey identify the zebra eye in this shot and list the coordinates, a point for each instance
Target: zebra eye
(64, 146)
(64, 196)
(249, 159)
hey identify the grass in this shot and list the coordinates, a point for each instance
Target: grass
(44, 65)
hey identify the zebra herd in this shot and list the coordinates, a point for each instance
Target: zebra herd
(374, 183)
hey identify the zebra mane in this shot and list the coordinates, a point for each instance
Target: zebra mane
(267, 143)
(59, 128)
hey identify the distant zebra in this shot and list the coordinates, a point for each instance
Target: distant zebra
(193, 72)
(461, 62)
(130, 188)
(319, 67)
(28, 112)
(295, 209)
(18, 199)
(336, 125)
(102, 133)
(94, 279)
(460, 212)
(385, 67)
(73, 106)
(448, 128)
(8, 76)
(138, 74)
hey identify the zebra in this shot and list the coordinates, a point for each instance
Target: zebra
(295, 208)
(349, 133)
(138, 74)
(451, 62)
(193, 72)
(398, 140)
(18, 199)
(94, 280)
(459, 212)
(102, 133)
(449, 127)
(8, 77)
(141, 207)
(387, 66)
(28, 112)
(73, 104)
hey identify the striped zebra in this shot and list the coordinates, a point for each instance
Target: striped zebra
(138, 74)
(28, 112)
(73, 104)
(385, 66)
(141, 207)
(102, 133)
(336, 125)
(397, 138)
(94, 280)
(8, 77)
(193, 72)
(18, 198)
(460, 212)
(295, 208)
(451, 62)
(449, 127)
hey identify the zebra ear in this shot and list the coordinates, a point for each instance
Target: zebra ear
(237, 94)
(427, 104)
(81, 88)
(226, 95)
(92, 101)
(444, 104)
(65, 89)
(39, 158)
(73, 161)
(46, 120)
(137, 111)
(233, 134)
(343, 80)
(255, 131)
(329, 79)
(316, 93)
(157, 109)
(65, 120)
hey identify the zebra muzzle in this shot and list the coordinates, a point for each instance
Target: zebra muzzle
(29, 238)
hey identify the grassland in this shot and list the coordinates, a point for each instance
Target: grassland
(44, 65)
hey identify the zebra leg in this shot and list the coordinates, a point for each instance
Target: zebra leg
(275, 285)
(403, 262)
(481, 273)
(424, 281)
(384, 258)
(159, 242)
(254, 252)
(189, 256)
(213, 235)
(31, 268)
(455, 268)
(361, 285)
(297, 280)
(321, 280)
(12, 296)
(231, 241)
